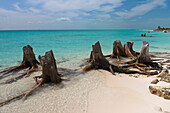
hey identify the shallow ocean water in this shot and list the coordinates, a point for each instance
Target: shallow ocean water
(73, 44)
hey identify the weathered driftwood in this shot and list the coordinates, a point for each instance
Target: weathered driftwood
(49, 74)
(118, 50)
(49, 68)
(98, 61)
(144, 56)
(49, 71)
(128, 48)
(29, 61)
(115, 53)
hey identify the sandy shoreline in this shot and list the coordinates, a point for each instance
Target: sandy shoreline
(96, 91)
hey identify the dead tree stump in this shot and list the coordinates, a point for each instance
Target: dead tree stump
(144, 56)
(118, 50)
(29, 61)
(49, 68)
(128, 48)
(100, 62)
(115, 53)
(49, 74)
(121, 49)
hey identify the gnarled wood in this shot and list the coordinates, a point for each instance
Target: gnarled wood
(121, 49)
(118, 50)
(128, 48)
(115, 53)
(144, 56)
(100, 62)
(49, 68)
(49, 74)
(29, 60)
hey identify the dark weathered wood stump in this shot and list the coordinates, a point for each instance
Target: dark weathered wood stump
(118, 50)
(49, 74)
(98, 61)
(29, 61)
(49, 68)
(128, 48)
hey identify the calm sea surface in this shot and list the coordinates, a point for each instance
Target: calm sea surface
(73, 44)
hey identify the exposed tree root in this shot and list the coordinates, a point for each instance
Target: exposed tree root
(26, 93)
(29, 61)
(99, 62)
(29, 91)
(20, 76)
(30, 71)
(128, 62)
(21, 66)
(132, 64)
(141, 60)
(8, 100)
(15, 78)
(49, 74)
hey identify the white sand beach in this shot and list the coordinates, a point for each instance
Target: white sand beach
(96, 91)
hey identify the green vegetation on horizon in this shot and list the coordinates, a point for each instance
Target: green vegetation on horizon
(159, 28)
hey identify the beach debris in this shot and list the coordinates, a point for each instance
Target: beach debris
(144, 56)
(98, 61)
(49, 75)
(162, 91)
(29, 62)
(166, 78)
(118, 50)
(143, 35)
(142, 61)
(168, 66)
(155, 81)
(163, 73)
(128, 48)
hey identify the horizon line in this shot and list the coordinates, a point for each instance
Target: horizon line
(64, 29)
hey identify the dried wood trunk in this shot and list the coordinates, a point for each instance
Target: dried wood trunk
(91, 57)
(128, 47)
(49, 74)
(118, 50)
(115, 53)
(29, 60)
(100, 62)
(144, 56)
(121, 49)
(49, 68)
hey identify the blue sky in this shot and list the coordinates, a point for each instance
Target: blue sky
(84, 14)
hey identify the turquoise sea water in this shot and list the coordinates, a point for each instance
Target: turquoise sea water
(73, 44)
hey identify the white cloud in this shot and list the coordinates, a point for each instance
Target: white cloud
(105, 16)
(16, 5)
(85, 14)
(107, 8)
(34, 10)
(142, 9)
(63, 19)
(70, 5)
